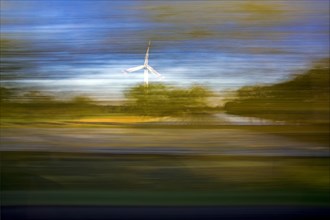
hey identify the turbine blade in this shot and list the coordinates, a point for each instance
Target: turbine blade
(154, 71)
(147, 56)
(133, 69)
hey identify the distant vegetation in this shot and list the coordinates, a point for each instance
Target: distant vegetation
(156, 100)
(160, 99)
(36, 105)
(305, 98)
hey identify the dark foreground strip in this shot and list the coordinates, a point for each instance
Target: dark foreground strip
(162, 212)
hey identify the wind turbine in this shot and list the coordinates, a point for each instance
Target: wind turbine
(146, 68)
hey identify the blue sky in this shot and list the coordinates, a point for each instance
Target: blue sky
(81, 47)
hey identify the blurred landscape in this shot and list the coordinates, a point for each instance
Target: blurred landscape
(241, 118)
(169, 139)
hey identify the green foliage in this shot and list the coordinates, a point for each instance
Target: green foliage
(35, 105)
(305, 98)
(82, 100)
(6, 94)
(160, 99)
(35, 96)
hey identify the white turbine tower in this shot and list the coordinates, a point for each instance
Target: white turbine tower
(146, 68)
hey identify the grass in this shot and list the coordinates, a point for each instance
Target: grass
(83, 178)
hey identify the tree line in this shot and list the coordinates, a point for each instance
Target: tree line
(304, 98)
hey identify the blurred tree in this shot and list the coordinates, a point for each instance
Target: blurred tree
(35, 96)
(81, 100)
(303, 98)
(160, 99)
(6, 94)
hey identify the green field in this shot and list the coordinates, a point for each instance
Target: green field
(83, 178)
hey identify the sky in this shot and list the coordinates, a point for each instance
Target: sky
(82, 46)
